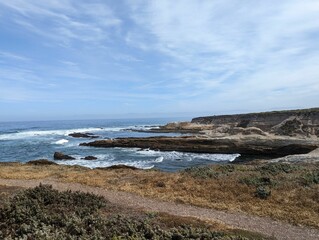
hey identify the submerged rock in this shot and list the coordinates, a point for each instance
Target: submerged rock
(89, 158)
(62, 156)
(83, 135)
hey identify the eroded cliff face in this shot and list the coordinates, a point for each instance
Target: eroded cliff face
(288, 123)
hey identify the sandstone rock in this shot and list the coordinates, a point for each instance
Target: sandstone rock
(61, 156)
(289, 127)
(289, 123)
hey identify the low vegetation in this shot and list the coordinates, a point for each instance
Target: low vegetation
(44, 213)
(287, 192)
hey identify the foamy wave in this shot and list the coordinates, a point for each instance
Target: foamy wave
(143, 127)
(61, 142)
(31, 134)
(107, 160)
(173, 155)
(98, 163)
(159, 159)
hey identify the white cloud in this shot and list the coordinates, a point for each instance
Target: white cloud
(13, 56)
(65, 21)
(223, 45)
(183, 54)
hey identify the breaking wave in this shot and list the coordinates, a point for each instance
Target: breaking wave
(173, 155)
(61, 142)
(32, 134)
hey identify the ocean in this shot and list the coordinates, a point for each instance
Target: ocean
(25, 141)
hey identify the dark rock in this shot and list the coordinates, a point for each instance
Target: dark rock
(83, 135)
(119, 166)
(257, 145)
(41, 162)
(89, 158)
(290, 127)
(243, 123)
(61, 156)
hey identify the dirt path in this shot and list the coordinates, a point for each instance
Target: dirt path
(261, 225)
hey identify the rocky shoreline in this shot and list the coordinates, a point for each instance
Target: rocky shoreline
(246, 146)
(266, 135)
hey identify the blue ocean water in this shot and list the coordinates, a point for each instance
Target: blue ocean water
(25, 141)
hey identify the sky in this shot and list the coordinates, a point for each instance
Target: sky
(78, 59)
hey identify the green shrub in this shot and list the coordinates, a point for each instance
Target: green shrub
(205, 172)
(277, 168)
(226, 168)
(43, 213)
(257, 181)
(262, 192)
(310, 178)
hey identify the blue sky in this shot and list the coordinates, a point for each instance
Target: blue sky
(76, 59)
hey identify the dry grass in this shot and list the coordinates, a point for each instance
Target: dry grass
(91, 217)
(294, 190)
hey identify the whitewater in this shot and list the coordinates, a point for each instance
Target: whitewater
(25, 141)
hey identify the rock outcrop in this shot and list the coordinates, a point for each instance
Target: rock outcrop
(267, 135)
(62, 156)
(286, 123)
(247, 145)
(41, 162)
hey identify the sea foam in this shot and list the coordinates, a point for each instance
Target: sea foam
(39, 133)
(61, 142)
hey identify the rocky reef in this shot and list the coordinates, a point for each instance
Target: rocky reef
(83, 135)
(271, 134)
(246, 146)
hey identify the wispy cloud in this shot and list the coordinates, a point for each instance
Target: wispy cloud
(9, 55)
(215, 44)
(161, 55)
(65, 21)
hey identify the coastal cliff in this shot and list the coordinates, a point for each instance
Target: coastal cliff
(291, 123)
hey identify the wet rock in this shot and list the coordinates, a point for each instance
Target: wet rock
(61, 156)
(83, 135)
(245, 145)
(89, 158)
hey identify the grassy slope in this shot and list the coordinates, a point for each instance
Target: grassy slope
(293, 189)
(44, 213)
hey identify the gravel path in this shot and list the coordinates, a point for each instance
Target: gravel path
(261, 225)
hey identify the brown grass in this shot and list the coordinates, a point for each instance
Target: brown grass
(293, 198)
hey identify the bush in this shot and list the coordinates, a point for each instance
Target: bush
(44, 213)
(201, 172)
(277, 168)
(226, 168)
(310, 178)
(262, 192)
(257, 181)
